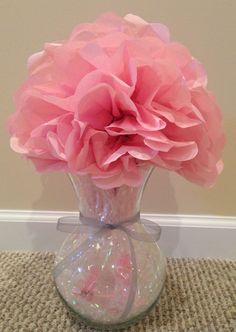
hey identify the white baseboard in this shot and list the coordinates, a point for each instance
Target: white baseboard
(182, 235)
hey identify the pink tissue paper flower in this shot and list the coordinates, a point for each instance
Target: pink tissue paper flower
(118, 94)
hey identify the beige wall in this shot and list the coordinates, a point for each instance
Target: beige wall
(207, 27)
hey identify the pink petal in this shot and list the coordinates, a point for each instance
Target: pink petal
(181, 151)
(96, 107)
(96, 56)
(134, 19)
(176, 96)
(158, 145)
(56, 146)
(162, 31)
(177, 117)
(139, 152)
(126, 126)
(148, 120)
(147, 85)
(195, 74)
(16, 145)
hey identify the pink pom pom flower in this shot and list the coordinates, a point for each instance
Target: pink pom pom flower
(116, 95)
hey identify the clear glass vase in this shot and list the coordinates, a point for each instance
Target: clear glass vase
(110, 270)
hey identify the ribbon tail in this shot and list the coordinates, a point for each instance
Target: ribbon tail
(133, 285)
(153, 231)
(152, 228)
(152, 235)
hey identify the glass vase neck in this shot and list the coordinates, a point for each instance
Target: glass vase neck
(109, 206)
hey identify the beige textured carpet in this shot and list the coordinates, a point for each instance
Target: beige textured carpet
(199, 296)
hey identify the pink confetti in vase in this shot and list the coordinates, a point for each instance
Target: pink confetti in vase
(110, 270)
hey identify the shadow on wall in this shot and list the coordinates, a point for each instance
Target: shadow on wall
(159, 194)
(57, 195)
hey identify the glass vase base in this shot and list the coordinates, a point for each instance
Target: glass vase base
(110, 326)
